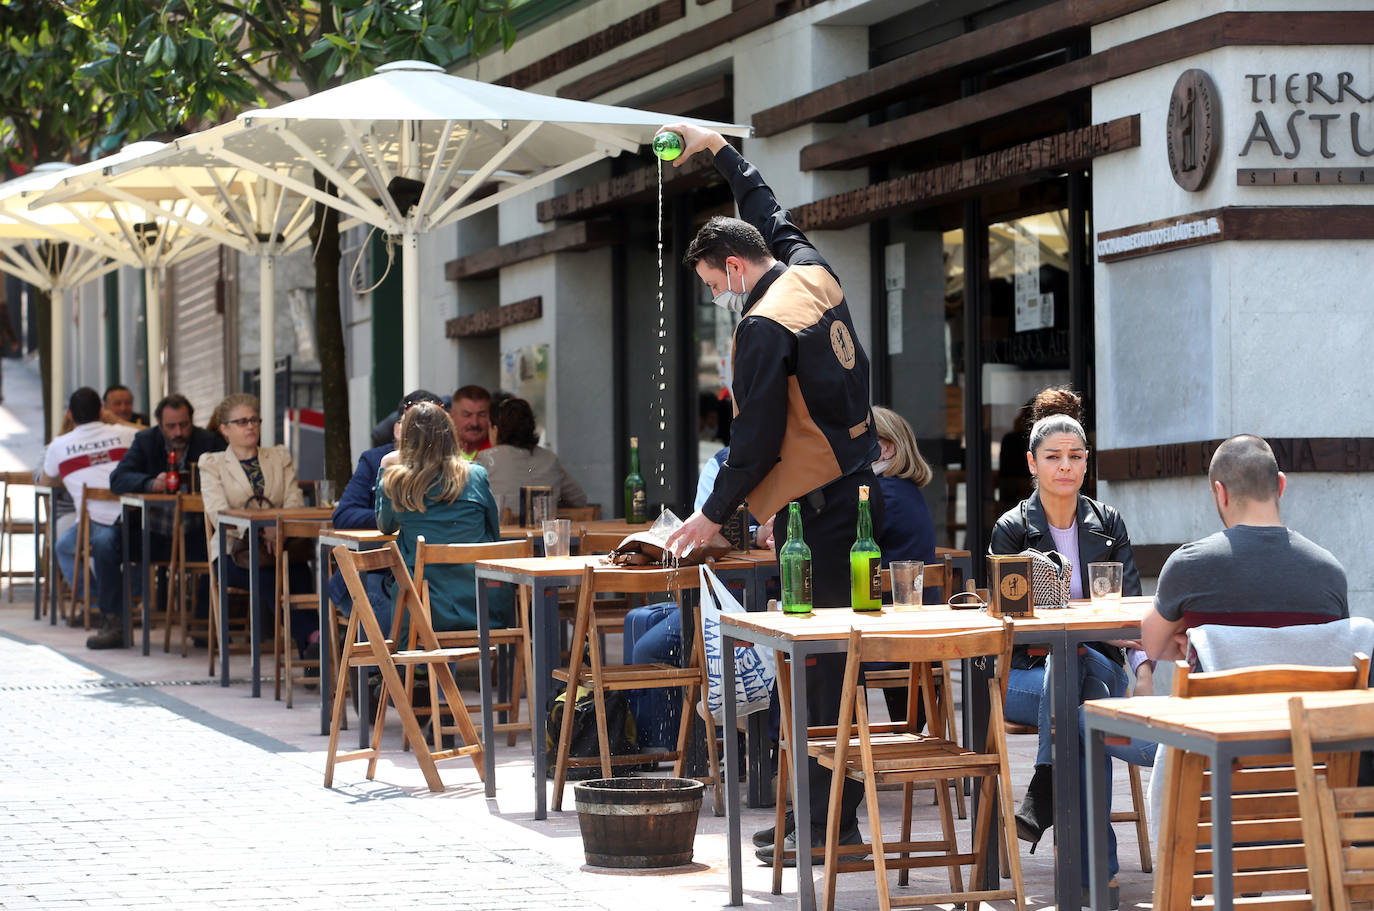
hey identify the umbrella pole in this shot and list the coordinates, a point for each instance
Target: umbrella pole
(153, 315)
(57, 346)
(267, 348)
(410, 310)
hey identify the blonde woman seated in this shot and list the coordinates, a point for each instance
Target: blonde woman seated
(246, 475)
(426, 487)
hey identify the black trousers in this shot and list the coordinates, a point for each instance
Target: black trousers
(830, 520)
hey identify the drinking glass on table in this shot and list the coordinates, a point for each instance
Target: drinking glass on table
(1104, 586)
(907, 583)
(557, 537)
(324, 493)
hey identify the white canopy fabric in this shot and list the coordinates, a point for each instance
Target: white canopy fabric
(222, 203)
(444, 137)
(128, 231)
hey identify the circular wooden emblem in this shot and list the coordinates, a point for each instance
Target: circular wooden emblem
(1014, 586)
(843, 345)
(1194, 129)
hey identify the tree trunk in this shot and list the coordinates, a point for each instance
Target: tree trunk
(338, 456)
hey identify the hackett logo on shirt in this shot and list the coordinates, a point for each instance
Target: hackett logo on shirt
(843, 343)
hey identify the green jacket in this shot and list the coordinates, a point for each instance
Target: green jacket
(471, 519)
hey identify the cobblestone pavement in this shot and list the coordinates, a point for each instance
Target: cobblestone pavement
(120, 796)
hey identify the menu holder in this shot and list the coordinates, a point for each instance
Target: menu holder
(1009, 586)
(536, 505)
(736, 528)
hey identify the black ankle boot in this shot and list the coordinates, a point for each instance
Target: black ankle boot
(1036, 813)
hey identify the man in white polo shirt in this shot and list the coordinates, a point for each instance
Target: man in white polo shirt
(86, 457)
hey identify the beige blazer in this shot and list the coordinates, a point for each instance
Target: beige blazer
(224, 485)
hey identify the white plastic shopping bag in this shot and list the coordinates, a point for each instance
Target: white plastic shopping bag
(755, 672)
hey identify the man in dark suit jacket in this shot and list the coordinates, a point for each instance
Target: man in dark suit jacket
(357, 506)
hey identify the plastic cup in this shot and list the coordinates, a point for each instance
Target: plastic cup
(1104, 586)
(324, 493)
(908, 577)
(557, 537)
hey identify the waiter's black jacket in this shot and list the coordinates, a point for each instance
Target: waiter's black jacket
(800, 385)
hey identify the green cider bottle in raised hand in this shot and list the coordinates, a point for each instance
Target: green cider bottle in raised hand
(865, 563)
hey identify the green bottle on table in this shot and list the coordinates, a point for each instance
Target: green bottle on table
(794, 562)
(865, 563)
(636, 506)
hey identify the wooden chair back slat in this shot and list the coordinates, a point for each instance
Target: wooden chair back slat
(597, 542)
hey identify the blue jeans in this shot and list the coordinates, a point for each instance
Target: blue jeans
(657, 712)
(377, 595)
(107, 559)
(66, 560)
(1029, 701)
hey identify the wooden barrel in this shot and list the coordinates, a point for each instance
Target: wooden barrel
(638, 822)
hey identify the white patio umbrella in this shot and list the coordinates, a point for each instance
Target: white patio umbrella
(222, 203)
(132, 233)
(408, 148)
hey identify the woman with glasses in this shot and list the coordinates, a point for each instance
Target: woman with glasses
(246, 475)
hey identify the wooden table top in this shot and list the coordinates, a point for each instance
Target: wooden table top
(539, 567)
(1246, 716)
(138, 498)
(293, 512)
(359, 535)
(1080, 615)
(836, 623)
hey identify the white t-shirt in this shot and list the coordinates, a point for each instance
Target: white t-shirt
(86, 457)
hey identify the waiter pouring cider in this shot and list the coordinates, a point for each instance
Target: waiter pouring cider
(804, 428)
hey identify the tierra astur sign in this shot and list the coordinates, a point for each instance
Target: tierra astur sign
(1308, 116)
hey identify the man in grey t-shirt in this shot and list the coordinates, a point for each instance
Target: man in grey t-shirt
(1255, 573)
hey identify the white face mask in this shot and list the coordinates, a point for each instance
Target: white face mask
(730, 299)
(880, 466)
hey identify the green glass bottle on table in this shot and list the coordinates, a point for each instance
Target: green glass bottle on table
(794, 562)
(636, 506)
(865, 563)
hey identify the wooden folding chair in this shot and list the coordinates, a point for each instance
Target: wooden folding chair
(378, 651)
(287, 601)
(875, 754)
(1269, 859)
(936, 575)
(82, 604)
(586, 668)
(1337, 828)
(590, 513)
(10, 481)
(516, 637)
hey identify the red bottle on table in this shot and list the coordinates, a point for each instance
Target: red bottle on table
(173, 477)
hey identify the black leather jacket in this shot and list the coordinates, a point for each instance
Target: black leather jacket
(1102, 537)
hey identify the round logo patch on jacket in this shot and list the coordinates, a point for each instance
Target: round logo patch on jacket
(843, 343)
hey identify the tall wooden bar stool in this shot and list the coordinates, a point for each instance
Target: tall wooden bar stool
(515, 638)
(240, 624)
(587, 669)
(1270, 860)
(374, 649)
(82, 604)
(287, 602)
(186, 576)
(11, 483)
(874, 754)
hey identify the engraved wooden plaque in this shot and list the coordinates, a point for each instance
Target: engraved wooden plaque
(1194, 129)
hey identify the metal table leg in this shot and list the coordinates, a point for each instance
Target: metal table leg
(1064, 683)
(1098, 819)
(484, 685)
(326, 643)
(221, 562)
(254, 606)
(732, 833)
(147, 542)
(128, 580)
